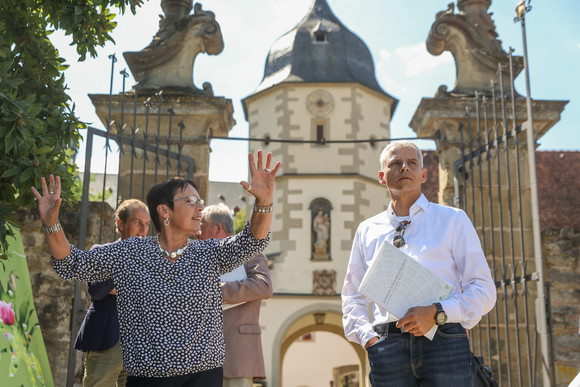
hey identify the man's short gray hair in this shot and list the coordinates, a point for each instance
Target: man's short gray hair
(220, 214)
(400, 144)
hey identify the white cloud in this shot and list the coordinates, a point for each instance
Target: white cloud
(412, 60)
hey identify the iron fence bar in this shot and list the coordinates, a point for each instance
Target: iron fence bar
(460, 168)
(525, 290)
(107, 144)
(482, 209)
(77, 306)
(510, 221)
(492, 239)
(468, 115)
(124, 76)
(180, 146)
(472, 181)
(501, 236)
(325, 141)
(158, 139)
(134, 135)
(147, 104)
(540, 302)
(168, 160)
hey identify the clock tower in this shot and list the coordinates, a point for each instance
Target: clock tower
(321, 111)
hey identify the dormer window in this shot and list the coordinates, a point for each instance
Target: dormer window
(320, 36)
(319, 33)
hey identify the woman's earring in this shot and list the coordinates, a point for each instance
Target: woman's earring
(166, 222)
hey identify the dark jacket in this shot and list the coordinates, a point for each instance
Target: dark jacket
(100, 328)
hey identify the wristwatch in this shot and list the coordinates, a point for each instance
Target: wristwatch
(440, 315)
(51, 229)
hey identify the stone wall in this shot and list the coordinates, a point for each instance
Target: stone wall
(52, 295)
(561, 250)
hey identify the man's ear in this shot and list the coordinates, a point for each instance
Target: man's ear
(382, 178)
(424, 175)
(120, 225)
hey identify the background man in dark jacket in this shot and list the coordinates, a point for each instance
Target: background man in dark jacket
(99, 333)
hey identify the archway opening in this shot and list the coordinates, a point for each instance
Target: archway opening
(320, 358)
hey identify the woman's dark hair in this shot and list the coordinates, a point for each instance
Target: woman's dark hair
(163, 193)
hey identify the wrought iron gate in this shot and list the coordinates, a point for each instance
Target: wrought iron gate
(493, 185)
(143, 159)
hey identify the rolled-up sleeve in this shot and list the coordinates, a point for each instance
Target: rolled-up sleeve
(478, 292)
(355, 307)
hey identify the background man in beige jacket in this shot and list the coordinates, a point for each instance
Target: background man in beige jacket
(244, 359)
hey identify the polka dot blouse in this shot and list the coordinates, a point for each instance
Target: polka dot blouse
(170, 313)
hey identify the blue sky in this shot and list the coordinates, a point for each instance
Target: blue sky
(394, 31)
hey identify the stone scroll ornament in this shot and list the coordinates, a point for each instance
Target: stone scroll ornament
(167, 63)
(471, 37)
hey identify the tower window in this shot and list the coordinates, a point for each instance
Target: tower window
(319, 32)
(319, 133)
(320, 36)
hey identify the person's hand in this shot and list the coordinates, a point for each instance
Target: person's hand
(262, 184)
(418, 320)
(371, 341)
(50, 200)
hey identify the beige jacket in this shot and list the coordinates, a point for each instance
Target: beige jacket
(242, 331)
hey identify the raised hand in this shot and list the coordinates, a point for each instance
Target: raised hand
(262, 184)
(50, 200)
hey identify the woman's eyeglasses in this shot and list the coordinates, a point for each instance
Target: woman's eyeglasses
(192, 199)
(399, 241)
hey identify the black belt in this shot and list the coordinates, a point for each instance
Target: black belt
(387, 327)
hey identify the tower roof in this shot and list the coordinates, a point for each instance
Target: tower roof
(320, 49)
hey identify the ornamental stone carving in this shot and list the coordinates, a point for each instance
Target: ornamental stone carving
(167, 63)
(471, 37)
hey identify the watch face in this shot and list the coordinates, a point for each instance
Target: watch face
(320, 102)
(441, 318)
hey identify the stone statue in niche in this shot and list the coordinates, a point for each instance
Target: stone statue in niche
(320, 210)
(324, 282)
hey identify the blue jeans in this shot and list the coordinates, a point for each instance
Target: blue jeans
(401, 359)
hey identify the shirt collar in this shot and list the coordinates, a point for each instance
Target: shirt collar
(420, 204)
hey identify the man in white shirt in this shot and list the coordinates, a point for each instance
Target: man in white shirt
(443, 240)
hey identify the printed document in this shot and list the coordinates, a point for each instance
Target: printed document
(238, 274)
(397, 282)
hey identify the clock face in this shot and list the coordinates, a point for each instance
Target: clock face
(320, 102)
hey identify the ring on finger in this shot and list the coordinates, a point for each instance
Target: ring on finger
(51, 192)
(249, 188)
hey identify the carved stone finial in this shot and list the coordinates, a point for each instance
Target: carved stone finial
(167, 63)
(471, 37)
(176, 9)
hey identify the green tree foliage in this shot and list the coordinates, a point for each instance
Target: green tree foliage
(240, 220)
(38, 127)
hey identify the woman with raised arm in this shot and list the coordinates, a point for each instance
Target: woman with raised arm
(168, 294)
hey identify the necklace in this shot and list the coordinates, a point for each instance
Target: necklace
(174, 254)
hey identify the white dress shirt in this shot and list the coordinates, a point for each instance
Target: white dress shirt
(443, 240)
